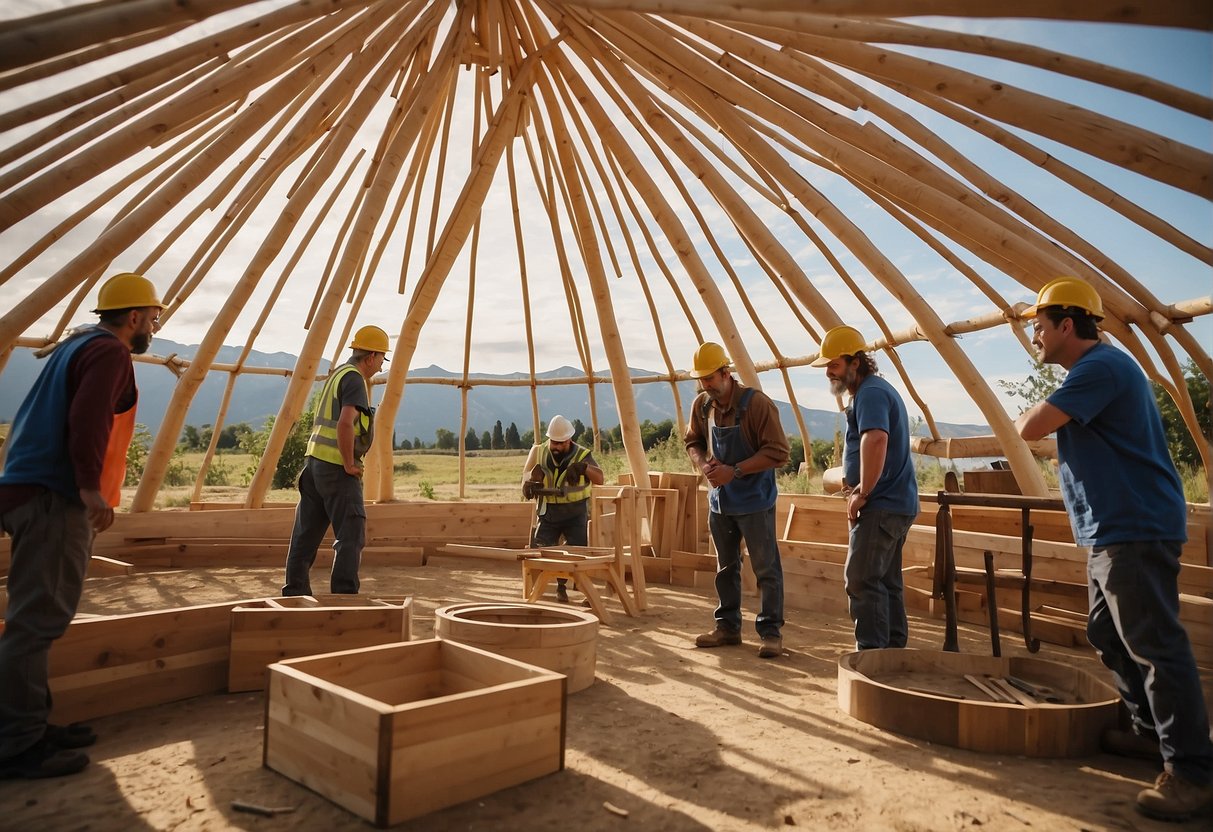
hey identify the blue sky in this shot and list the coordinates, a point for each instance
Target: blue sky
(1181, 58)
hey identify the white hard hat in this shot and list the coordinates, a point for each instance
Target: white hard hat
(560, 429)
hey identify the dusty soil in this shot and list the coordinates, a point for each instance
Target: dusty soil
(682, 739)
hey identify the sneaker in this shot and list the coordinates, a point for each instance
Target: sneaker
(1131, 744)
(772, 646)
(42, 759)
(1174, 798)
(70, 736)
(718, 638)
(562, 594)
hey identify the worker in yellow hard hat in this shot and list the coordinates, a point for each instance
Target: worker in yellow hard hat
(736, 440)
(330, 487)
(1126, 504)
(558, 474)
(880, 485)
(61, 479)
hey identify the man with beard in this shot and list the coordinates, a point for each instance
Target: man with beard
(1126, 503)
(560, 464)
(881, 490)
(736, 440)
(65, 462)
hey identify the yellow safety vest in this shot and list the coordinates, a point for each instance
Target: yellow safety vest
(323, 442)
(554, 477)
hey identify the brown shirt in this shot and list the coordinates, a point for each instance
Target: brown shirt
(760, 425)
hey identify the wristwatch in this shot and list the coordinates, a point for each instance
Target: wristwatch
(737, 473)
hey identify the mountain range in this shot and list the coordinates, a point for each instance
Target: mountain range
(426, 407)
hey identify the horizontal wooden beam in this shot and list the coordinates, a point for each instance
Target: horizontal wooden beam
(965, 447)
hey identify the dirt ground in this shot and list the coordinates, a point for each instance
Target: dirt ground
(680, 738)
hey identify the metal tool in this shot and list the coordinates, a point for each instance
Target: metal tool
(1040, 692)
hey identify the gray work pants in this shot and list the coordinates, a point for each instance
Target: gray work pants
(327, 496)
(52, 540)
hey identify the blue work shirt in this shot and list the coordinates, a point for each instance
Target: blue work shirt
(877, 406)
(1117, 478)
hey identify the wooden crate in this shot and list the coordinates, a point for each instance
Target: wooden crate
(274, 629)
(398, 731)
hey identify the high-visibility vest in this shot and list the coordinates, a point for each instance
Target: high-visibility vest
(323, 442)
(37, 448)
(555, 475)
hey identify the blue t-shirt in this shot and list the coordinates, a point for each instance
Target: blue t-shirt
(877, 406)
(1117, 478)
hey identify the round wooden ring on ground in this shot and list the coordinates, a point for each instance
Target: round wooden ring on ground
(556, 638)
(950, 698)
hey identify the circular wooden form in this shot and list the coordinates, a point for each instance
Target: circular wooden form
(919, 693)
(557, 638)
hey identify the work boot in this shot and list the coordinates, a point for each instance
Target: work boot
(1131, 744)
(1174, 798)
(562, 594)
(70, 736)
(718, 638)
(42, 759)
(772, 646)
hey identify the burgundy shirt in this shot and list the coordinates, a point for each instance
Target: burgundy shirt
(100, 383)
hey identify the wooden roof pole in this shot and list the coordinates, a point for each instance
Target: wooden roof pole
(135, 224)
(384, 53)
(458, 225)
(1126, 145)
(40, 152)
(41, 37)
(216, 45)
(29, 73)
(1026, 471)
(638, 270)
(242, 128)
(1176, 13)
(229, 83)
(744, 218)
(877, 30)
(666, 218)
(526, 291)
(608, 327)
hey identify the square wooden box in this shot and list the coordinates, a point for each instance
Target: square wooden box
(268, 631)
(398, 731)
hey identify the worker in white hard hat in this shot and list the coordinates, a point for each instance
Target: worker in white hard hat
(558, 473)
(61, 480)
(880, 487)
(330, 487)
(736, 440)
(1126, 503)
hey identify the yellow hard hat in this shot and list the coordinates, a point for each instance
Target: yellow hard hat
(371, 339)
(841, 340)
(127, 291)
(1067, 291)
(709, 358)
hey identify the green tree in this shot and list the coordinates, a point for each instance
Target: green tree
(417, 443)
(471, 442)
(512, 439)
(1180, 441)
(405, 445)
(230, 436)
(498, 437)
(578, 428)
(1038, 386)
(446, 440)
(823, 454)
(486, 440)
(136, 454)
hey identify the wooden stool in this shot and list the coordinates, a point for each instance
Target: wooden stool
(538, 572)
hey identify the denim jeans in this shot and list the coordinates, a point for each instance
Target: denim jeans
(872, 579)
(327, 495)
(52, 540)
(567, 520)
(758, 531)
(1134, 626)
